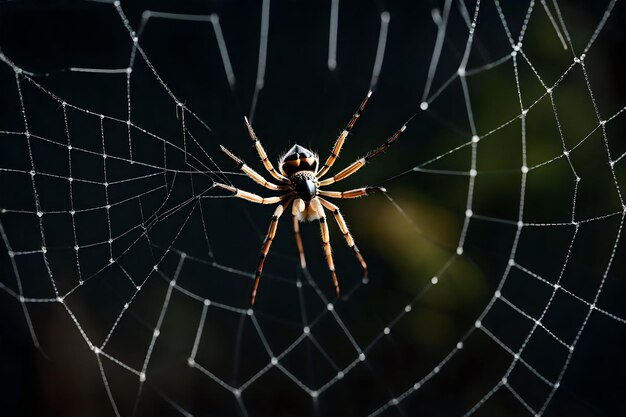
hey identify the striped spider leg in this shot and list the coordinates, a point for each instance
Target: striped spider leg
(271, 232)
(259, 148)
(334, 154)
(360, 163)
(272, 228)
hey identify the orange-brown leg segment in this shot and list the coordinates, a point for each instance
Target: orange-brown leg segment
(359, 192)
(382, 148)
(346, 232)
(252, 197)
(345, 173)
(266, 247)
(296, 233)
(328, 250)
(255, 176)
(259, 148)
(351, 169)
(342, 137)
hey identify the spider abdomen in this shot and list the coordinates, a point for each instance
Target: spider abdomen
(305, 185)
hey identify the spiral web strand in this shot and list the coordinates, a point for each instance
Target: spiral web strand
(161, 177)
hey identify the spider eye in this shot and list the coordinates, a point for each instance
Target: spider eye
(297, 159)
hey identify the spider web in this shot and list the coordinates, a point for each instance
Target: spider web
(493, 256)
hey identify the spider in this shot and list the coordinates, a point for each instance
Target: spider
(300, 177)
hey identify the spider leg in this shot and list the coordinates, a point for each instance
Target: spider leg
(346, 232)
(345, 173)
(361, 162)
(266, 247)
(259, 148)
(342, 137)
(252, 197)
(327, 248)
(358, 192)
(255, 176)
(296, 233)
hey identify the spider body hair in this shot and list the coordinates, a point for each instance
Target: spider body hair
(308, 211)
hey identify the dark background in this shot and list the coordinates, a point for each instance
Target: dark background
(303, 102)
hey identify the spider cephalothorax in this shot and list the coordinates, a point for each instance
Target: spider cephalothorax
(304, 184)
(301, 180)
